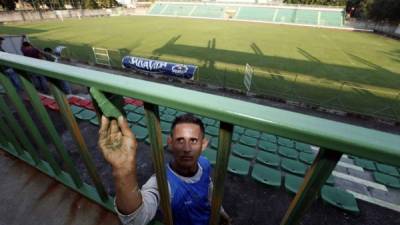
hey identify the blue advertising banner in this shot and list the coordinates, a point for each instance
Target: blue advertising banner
(155, 66)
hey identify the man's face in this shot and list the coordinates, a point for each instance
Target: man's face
(186, 144)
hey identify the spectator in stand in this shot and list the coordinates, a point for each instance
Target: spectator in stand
(10, 72)
(28, 50)
(65, 86)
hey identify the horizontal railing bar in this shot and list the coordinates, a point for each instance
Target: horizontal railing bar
(346, 138)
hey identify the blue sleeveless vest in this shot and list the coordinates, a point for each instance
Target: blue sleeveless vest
(189, 203)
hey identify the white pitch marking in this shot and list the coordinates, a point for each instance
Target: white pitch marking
(375, 201)
(359, 180)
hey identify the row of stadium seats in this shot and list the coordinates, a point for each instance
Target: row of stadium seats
(318, 17)
(267, 158)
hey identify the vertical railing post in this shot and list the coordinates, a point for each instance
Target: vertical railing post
(16, 129)
(224, 148)
(31, 127)
(153, 125)
(315, 178)
(53, 134)
(73, 127)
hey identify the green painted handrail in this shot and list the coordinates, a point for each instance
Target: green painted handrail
(349, 139)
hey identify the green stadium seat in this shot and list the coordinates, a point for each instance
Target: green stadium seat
(169, 111)
(238, 166)
(249, 141)
(164, 140)
(267, 175)
(85, 115)
(365, 163)
(303, 147)
(238, 130)
(252, 133)
(268, 137)
(143, 122)
(139, 110)
(293, 183)
(179, 113)
(165, 127)
(390, 170)
(213, 142)
(267, 146)
(167, 118)
(94, 121)
(387, 180)
(244, 151)
(211, 130)
(76, 109)
(208, 121)
(133, 117)
(330, 180)
(129, 108)
(285, 142)
(288, 152)
(307, 158)
(211, 155)
(141, 133)
(339, 198)
(161, 109)
(269, 159)
(235, 137)
(294, 167)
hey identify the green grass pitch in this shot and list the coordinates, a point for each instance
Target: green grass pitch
(340, 69)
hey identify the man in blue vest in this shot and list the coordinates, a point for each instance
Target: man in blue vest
(188, 174)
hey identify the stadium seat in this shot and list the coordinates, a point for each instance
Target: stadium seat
(165, 127)
(140, 132)
(267, 175)
(211, 130)
(211, 155)
(161, 109)
(85, 115)
(213, 142)
(339, 198)
(285, 142)
(269, 159)
(307, 158)
(390, 170)
(133, 117)
(303, 147)
(238, 166)
(143, 122)
(139, 110)
(54, 106)
(364, 163)
(249, 141)
(238, 130)
(94, 121)
(293, 166)
(167, 118)
(387, 180)
(252, 133)
(164, 140)
(293, 183)
(288, 152)
(267, 146)
(268, 137)
(330, 180)
(244, 151)
(129, 108)
(76, 109)
(235, 137)
(170, 111)
(208, 121)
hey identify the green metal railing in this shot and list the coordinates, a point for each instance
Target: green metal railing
(334, 138)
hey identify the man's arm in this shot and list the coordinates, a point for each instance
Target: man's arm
(118, 145)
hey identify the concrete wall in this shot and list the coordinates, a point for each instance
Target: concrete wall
(380, 27)
(31, 15)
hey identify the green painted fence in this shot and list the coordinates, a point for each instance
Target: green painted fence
(334, 138)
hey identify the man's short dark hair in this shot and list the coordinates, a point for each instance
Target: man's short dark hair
(187, 118)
